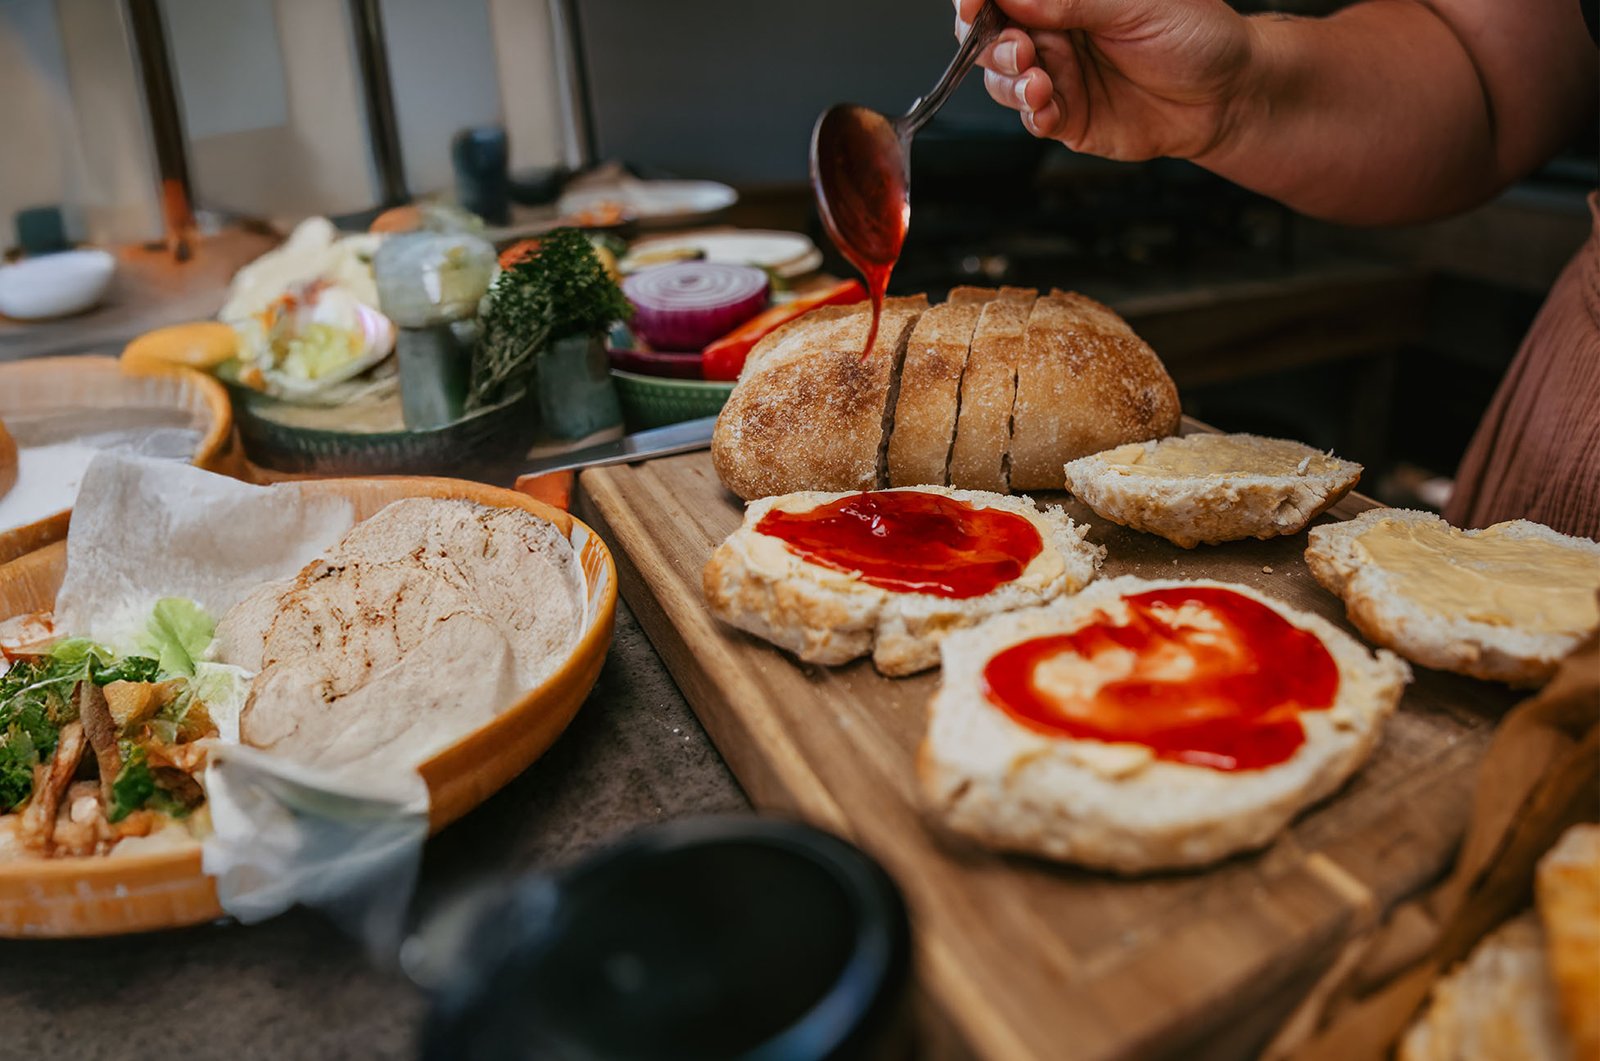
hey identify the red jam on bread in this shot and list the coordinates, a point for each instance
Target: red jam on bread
(1200, 675)
(911, 542)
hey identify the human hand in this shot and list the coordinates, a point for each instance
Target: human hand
(1122, 79)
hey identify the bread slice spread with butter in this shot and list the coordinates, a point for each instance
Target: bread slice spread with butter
(832, 577)
(1149, 725)
(1505, 603)
(1210, 488)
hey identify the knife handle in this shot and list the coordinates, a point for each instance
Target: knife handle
(553, 488)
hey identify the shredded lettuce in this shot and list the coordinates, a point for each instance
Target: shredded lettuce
(178, 633)
(223, 688)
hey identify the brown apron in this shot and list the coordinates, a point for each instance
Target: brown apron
(1536, 455)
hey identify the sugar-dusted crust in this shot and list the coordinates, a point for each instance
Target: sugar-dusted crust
(809, 412)
(1113, 806)
(930, 389)
(824, 616)
(1568, 891)
(1498, 1005)
(1422, 635)
(1085, 383)
(1222, 506)
(983, 428)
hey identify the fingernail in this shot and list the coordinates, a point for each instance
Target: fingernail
(1005, 56)
(962, 28)
(1022, 92)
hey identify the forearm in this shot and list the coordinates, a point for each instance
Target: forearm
(1377, 114)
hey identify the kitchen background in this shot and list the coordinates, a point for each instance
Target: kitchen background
(1383, 344)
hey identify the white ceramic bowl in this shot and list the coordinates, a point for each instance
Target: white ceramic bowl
(55, 285)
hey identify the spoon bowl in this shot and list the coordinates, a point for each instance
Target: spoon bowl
(861, 168)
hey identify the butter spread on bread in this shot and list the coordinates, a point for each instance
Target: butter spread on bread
(1505, 603)
(1211, 488)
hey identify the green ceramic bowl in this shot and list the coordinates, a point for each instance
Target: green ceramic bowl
(655, 401)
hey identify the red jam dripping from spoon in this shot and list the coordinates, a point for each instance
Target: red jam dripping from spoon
(911, 542)
(1200, 675)
(858, 173)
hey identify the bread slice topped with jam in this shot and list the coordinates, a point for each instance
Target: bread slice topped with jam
(1504, 603)
(991, 390)
(1211, 488)
(1149, 725)
(833, 577)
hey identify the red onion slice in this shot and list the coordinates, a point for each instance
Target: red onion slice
(687, 305)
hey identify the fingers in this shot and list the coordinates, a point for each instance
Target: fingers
(1010, 54)
(1033, 96)
(1028, 91)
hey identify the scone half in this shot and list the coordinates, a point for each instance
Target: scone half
(1211, 488)
(822, 614)
(1117, 805)
(1505, 603)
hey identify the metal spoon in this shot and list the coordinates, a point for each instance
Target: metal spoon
(861, 167)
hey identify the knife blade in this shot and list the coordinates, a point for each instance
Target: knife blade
(686, 437)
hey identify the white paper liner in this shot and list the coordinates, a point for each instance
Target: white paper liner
(282, 833)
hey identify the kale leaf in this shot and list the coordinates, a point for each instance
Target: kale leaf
(128, 669)
(560, 290)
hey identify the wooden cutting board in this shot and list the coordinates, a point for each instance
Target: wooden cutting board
(1028, 959)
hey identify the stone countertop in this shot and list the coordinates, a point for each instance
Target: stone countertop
(295, 986)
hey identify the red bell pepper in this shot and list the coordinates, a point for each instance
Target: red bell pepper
(724, 359)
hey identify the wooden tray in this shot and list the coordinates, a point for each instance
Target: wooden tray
(136, 893)
(103, 382)
(1027, 959)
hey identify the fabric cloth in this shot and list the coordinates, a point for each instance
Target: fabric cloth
(1536, 455)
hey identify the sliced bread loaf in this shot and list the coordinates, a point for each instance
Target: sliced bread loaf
(1085, 383)
(809, 412)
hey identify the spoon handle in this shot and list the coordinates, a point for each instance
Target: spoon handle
(985, 28)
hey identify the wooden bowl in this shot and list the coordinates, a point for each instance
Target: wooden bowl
(110, 895)
(104, 383)
(8, 460)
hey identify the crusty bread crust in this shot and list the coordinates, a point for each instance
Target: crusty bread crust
(1085, 383)
(809, 412)
(1498, 1005)
(831, 617)
(1224, 506)
(1112, 806)
(930, 390)
(983, 427)
(1568, 891)
(1443, 642)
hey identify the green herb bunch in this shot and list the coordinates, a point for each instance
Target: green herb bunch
(559, 290)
